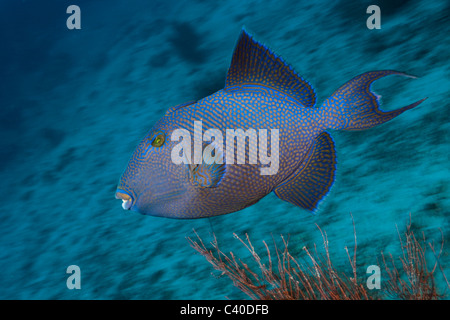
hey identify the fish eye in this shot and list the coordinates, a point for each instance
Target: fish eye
(158, 141)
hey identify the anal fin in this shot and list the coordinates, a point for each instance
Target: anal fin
(310, 183)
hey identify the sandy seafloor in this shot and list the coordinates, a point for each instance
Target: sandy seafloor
(75, 103)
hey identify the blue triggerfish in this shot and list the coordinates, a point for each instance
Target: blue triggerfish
(261, 133)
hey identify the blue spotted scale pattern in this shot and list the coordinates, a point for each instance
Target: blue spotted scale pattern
(261, 92)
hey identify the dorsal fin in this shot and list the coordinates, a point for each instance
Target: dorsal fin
(174, 108)
(254, 63)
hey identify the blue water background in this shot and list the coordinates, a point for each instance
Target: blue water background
(75, 103)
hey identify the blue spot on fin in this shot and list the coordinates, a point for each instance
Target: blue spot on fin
(310, 183)
(208, 174)
(254, 63)
(175, 108)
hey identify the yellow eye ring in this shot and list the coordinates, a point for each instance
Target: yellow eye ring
(159, 140)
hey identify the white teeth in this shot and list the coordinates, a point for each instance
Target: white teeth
(126, 204)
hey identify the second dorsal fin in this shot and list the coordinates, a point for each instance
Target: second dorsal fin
(254, 63)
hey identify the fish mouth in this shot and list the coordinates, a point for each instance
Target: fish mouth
(127, 200)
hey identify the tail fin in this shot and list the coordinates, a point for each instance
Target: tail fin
(354, 107)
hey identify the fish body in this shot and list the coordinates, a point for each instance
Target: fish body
(262, 96)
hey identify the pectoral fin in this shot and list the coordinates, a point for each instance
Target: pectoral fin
(210, 172)
(310, 183)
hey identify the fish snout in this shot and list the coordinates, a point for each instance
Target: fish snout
(127, 200)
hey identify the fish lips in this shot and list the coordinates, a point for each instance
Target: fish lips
(131, 203)
(127, 200)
